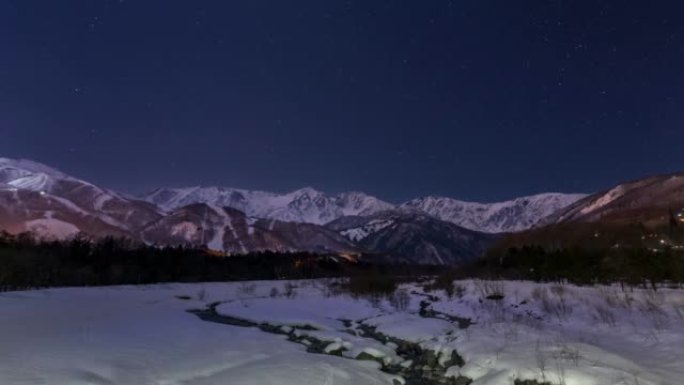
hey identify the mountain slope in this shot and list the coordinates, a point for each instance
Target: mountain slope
(52, 204)
(412, 237)
(40, 192)
(643, 214)
(649, 201)
(232, 231)
(510, 216)
(51, 217)
(304, 205)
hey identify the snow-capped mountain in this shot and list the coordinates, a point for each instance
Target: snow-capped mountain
(647, 213)
(29, 175)
(51, 217)
(230, 230)
(649, 201)
(52, 204)
(510, 216)
(311, 206)
(35, 192)
(304, 205)
(412, 237)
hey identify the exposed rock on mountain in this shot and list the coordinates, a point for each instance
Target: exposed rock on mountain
(413, 237)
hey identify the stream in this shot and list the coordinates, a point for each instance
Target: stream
(423, 369)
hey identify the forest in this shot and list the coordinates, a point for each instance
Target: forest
(28, 263)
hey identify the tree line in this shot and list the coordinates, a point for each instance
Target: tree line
(633, 265)
(27, 263)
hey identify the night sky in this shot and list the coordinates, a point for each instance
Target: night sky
(479, 100)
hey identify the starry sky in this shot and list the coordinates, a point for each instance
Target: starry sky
(478, 100)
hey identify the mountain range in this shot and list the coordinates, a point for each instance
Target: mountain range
(511, 216)
(304, 205)
(311, 206)
(436, 230)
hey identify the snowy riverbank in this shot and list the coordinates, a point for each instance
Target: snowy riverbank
(145, 335)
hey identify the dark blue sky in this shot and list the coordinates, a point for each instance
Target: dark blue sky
(481, 100)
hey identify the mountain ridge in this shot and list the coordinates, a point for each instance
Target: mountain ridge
(52, 204)
(312, 206)
(498, 217)
(400, 235)
(650, 199)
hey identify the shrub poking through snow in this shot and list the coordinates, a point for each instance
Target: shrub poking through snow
(554, 304)
(493, 290)
(604, 315)
(400, 299)
(202, 294)
(530, 382)
(247, 288)
(445, 282)
(460, 290)
(290, 290)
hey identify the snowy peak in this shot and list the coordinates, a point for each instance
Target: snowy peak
(308, 192)
(28, 175)
(358, 203)
(230, 230)
(41, 194)
(309, 205)
(509, 216)
(24, 166)
(33, 195)
(306, 205)
(171, 198)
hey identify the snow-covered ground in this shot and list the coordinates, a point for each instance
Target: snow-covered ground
(144, 335)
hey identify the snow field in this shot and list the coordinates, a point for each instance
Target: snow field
(561, 334)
